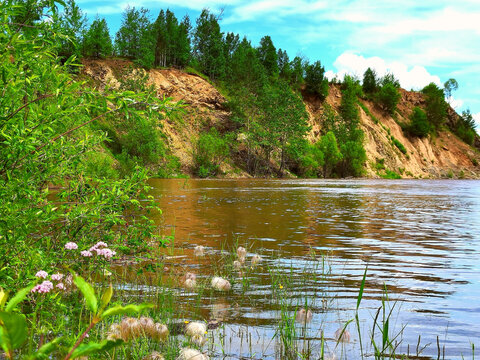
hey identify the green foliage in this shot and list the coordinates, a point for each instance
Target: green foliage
(399, 145)
(465, 127)
(97, 42)
(388, 96)
(436, 107)
(208, 46)
(245, 70)
(419, 125)
(13, 331)
(209, 150)
(134, 39)
(449, 86)
(389, 174)
(331, 153)
(370, 82)
(315, 81)
(353, 157)
(47, 121)
(268, 56)
(172, 40)
(283, 120)
(70, 30)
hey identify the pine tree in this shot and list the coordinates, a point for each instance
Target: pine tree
(315, 81)
(71, 23)
(135, 25)
(97, 42)
(369, 81)
(208, 45)
(268, 56)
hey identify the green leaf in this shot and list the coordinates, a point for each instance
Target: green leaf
(121, 310)
(362, 286)
(93, 347)
(88, 292)
(18, 298)
(3, 297)
(45, 350)
(106, 297)
(13, 330)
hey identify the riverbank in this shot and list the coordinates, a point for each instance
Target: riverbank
(390, 151)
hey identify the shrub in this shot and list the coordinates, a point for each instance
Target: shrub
(389, 174)
(436, 107)
(465, 127)
(209, 150)
(399, 145)
(388, 97)
(370, 81)
(419, 125)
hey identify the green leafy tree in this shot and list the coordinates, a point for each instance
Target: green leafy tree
(419, 125)
(172, 40)
(268, 56)
(209, 46)
(97, 42)
(436, 106)
(284, 120)
(315, 81)
(135, 34)
(46, 117)
(245, 70)
(370, 81)
(209, 150)
(284, 66)
(465, 127)
(389, 96)
(331, 153)
(71, 29)
(298, 72)
(450, 86)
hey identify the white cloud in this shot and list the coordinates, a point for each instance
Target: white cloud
(455, 103)
(415, 77)
(476, 117)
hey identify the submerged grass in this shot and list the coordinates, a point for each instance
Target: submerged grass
(258, 318)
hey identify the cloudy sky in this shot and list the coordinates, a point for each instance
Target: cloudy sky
(419, 41)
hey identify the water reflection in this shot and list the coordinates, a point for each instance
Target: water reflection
(419, 238)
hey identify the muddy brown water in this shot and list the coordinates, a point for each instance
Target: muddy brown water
(419, 238)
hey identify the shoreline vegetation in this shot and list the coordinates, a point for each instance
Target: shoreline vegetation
(61, 297)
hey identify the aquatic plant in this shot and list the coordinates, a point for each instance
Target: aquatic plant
(199, 251)
(190, 280)
(191, 354)
(220, 284)
(256, 259)
(241, 253)
(304, 316)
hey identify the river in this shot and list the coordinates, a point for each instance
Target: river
(420, 239)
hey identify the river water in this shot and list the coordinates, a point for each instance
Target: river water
(420, 239)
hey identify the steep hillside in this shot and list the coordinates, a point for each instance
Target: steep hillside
(443, 156)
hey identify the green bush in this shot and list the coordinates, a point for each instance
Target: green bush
(399, 145)
(389, 174)
(436, 107)
(419, 125)
(388, 97)
(465, 127)
(209, 150)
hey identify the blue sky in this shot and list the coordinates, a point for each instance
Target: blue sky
(419, 41)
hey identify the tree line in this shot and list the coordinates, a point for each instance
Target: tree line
(265, 89)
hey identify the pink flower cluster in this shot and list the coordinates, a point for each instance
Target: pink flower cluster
(41, 274)
(43, 288)
(46, 286)
(71, 246)
(100, 248)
